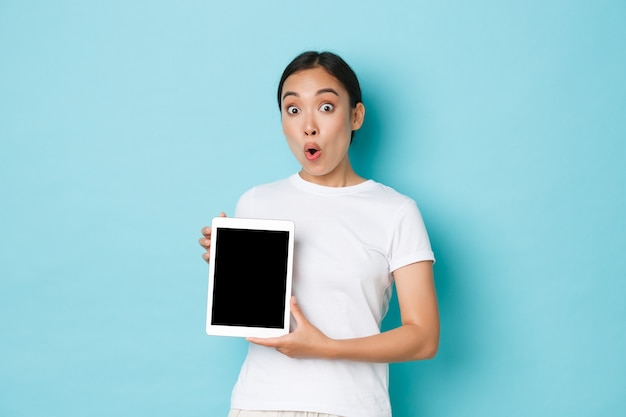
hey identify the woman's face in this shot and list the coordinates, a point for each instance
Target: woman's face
(318, 122)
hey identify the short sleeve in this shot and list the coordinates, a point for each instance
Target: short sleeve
(245, 204)
(409, 242)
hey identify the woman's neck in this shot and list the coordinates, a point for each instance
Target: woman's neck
(341, 177)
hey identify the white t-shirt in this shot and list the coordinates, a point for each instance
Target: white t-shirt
(348, 241)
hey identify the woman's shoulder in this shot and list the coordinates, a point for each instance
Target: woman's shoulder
(267, 190)
(271, 186)
(388, 193)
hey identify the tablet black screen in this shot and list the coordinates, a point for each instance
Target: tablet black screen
(250, 278)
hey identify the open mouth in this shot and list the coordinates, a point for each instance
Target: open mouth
(312, 151)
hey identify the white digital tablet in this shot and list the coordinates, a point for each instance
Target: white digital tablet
(250, 277)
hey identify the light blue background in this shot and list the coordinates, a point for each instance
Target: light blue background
(126, 126)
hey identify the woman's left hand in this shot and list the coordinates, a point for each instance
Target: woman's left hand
(306, 341)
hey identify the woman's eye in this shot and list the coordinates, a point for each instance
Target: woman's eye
(327, 107)
(293, 110)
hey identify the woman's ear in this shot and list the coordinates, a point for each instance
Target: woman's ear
(358, 115)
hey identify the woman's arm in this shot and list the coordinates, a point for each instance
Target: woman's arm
(416, 338)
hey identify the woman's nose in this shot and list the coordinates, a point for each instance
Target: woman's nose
(310, 128)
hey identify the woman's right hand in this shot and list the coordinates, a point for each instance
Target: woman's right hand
(205, 241)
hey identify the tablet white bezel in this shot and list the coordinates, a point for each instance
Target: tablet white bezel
(249, 224)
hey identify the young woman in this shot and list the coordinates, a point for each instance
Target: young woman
(355, 237)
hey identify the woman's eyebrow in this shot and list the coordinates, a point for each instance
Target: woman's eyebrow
(290, 93)
(327, 90)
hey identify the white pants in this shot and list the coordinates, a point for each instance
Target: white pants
(249, 413)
